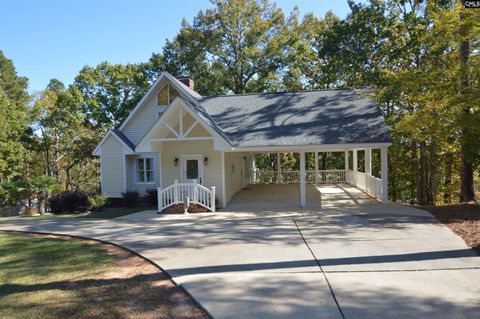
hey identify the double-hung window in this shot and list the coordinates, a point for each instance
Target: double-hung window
(145, 171)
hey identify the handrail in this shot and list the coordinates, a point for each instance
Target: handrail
(290, 177)
(197, 194)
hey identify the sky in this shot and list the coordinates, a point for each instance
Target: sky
(55, 38)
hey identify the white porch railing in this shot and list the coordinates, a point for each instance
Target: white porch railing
(366, 182)
(197, 194)
(293, 177)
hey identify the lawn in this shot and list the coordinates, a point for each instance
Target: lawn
(51, 277)
(106, 213)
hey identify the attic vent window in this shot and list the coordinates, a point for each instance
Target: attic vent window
(166, 95)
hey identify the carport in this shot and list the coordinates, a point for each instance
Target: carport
(307, 186)
(286, 197)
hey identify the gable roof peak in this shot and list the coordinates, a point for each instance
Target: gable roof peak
(190, 94)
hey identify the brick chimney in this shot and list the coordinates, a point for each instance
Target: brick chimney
(188, 82)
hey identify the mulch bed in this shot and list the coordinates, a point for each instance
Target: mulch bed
(463, 219)
(178, 209)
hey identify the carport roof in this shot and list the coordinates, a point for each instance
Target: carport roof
(340, 116)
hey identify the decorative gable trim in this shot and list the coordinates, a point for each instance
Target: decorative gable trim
(183, 133)
(153, 88)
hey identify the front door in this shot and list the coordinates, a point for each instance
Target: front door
(192, 168)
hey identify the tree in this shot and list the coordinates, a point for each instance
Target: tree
(59, 121)
(110, 92)
(14, 119)
(305, 67)
(42, 187)
(12, 192)
(14, 86)
(468, 27)
(234, 47)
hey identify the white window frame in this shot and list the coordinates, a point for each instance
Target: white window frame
(168, 86)
(152, 169)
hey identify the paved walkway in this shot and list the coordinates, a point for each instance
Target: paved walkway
(364, 260)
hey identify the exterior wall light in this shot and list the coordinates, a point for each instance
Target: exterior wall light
(175, 161)
(205, 161)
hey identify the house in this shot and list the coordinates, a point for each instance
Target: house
(183, 143)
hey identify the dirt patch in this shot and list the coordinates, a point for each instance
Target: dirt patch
(133, 288)
(463, 219)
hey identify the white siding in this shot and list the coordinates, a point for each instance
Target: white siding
(139, 125)
(236, 174)
(212, 172)
(113, 167)
(132, 184)
(145, 117)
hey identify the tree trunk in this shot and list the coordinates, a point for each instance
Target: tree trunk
(68, 181)
(432, 174)
(47, 154)
(447, 185)
(416, 168)
(393, 184)
(467, 193)
(422, 173)
(466, 190)
(41, 204)
(56, 160)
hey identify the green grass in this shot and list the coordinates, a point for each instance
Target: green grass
(47, 277)
(116, 213)
(38, 276)
(106, 214)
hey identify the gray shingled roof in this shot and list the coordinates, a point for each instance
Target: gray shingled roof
(125, 139)
(297, 118)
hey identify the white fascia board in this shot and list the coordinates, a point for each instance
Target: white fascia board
(311, 148)
(219, 142)
(218, 139)
(144, 98)
(98, 150)
(150, 91)
(126, 149)
(180, 87)
(146, 138)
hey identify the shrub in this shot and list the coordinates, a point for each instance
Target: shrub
(151, 196)
(97, 201)
(69, 202)
(130, 199)
(12, 193)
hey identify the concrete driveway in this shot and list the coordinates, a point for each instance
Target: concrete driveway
(364, 260)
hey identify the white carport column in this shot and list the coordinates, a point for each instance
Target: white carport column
(346, 161)
(316, 167)
(345, 174)
(355, 167)
(368, 161)
(253, 176)
(278, 167)
(384, 156)
(302, 180)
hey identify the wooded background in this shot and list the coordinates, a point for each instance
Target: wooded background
(421, 59)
